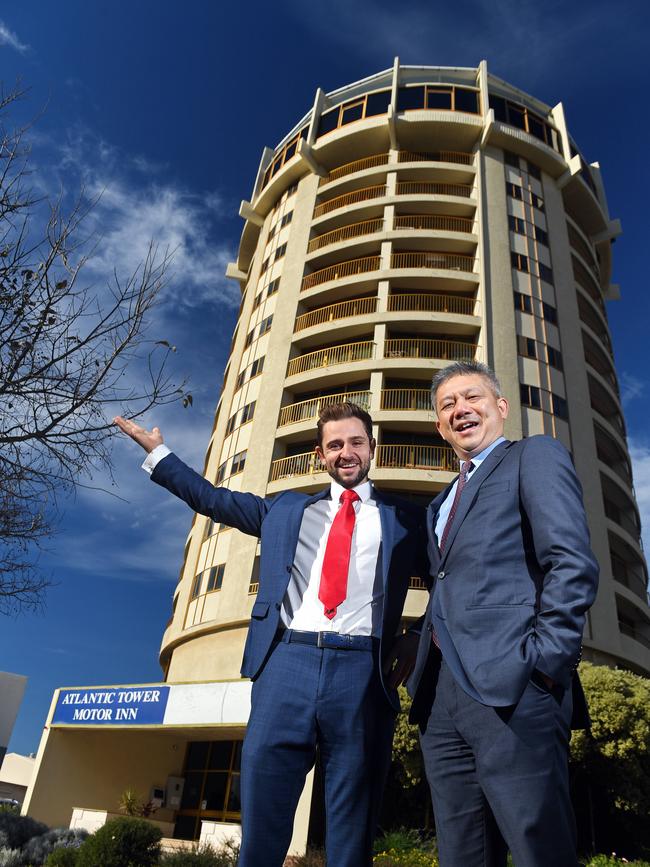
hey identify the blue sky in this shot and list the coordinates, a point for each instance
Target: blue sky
(164, 109)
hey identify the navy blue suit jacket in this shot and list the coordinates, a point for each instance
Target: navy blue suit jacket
(515, 580)
(276, 521)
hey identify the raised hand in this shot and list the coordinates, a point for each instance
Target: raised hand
(147, 439)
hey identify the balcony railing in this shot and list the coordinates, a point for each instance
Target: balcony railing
(350, 199)
(297, 465)
(332, 355)
(436, 157)
(450, 350)
(342, 269)
(432, 304)
(310, 409)
(356, 230)
(438, 222)
(430, 188)
(404, 399)
(430, 259)
(355, 166)
(412, 457)
(342, 310)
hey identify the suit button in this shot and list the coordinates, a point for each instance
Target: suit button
(441, 575)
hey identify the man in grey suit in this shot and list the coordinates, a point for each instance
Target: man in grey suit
(492, 688)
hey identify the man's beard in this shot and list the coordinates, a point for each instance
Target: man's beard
(351, 481)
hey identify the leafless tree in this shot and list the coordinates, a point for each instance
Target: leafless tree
(65, 348)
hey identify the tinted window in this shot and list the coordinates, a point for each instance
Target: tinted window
(328, 121)
(410, 98)
(354, 112)
(499, 105)
(377, 103)
(439, 98)
(516, 116)
(466, 100)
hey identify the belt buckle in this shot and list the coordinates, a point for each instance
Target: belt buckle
(323, 639)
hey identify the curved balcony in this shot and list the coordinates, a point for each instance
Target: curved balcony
(433, 222)
(458, 157)
(430, 259)
(370, 162)
(333, 312)
(343, 269)
(415, 457)
(447, 350)
(423, 303)
(331, 356)
(352, 198)
(433, 188)
(305, 464)
(307, 410)
(346, 233)
(405, 399)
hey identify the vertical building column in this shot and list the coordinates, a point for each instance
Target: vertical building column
(382, 295)
(376, 385)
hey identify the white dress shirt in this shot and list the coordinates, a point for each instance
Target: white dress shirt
(361, 611)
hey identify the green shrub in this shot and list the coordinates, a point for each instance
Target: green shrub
(203, 856)
(36, 851)
(405, 840)
(63, 857)
(17, 830)
(613, 861)
(122, 843)
(410, 858)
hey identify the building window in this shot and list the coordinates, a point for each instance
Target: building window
(527, 346)
(265, 324)
(265, 265)
(536, 201)
(550, 313)
(519, 262)
(221, 472)
(514, 191)
(516, 224)
(523, 302)
(368, 105)
(215, 578)
(540, 235)
(443, 97)
(231, 424)
(534, 171)
(545, 272)
(279, 253)
(248, 373)
(211, 790)
(284, 155)
(248, 412)
(273, 230)
(292, 189)
(511, 159)
(530, 396)
(286, 219)
(258, 300)
(238, 463)
(249, 338)
(554, 358)
(273, 287)
(523, 118)
(560, 408)
(196, 586)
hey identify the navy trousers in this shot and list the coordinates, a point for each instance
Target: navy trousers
(307, 697)
(500, 774)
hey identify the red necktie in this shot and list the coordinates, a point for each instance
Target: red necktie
(465, 467)
(336, 563)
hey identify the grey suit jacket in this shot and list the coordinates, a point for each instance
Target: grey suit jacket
(516, 578)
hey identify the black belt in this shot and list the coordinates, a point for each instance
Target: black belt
(327, 640)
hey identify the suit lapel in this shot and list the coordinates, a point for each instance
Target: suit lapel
(387, 519)
(470, 493)
(432, 516)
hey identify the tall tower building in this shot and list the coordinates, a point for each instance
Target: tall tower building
(421, 215)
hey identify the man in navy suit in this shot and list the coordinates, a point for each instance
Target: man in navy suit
(322, 648)
(492, 687)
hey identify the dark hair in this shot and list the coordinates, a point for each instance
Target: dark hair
(338, 411)
(464, 368)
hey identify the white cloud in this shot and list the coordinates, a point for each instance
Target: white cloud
(631, 387)
(8, 37)
(640, 454)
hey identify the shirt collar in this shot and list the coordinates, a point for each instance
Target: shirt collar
(364, 491)
(478, 459)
